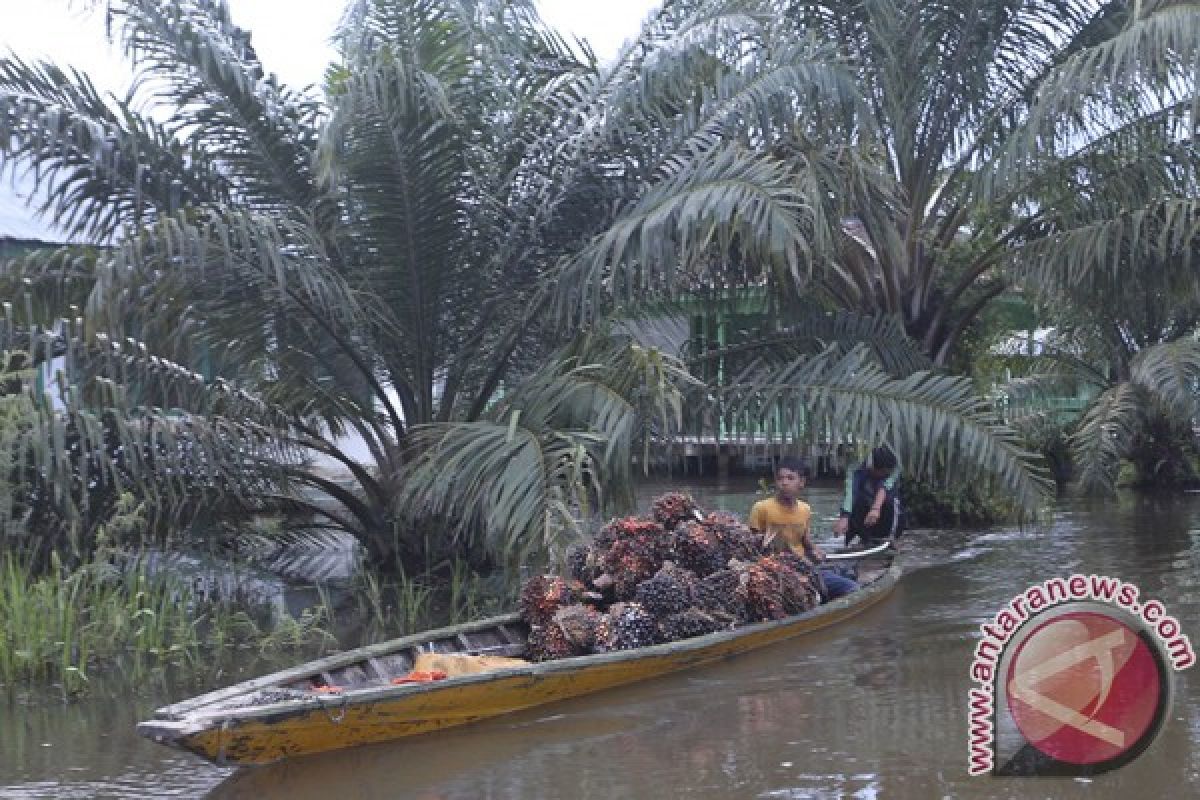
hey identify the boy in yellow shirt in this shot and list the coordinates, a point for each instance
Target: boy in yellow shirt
(788, 518)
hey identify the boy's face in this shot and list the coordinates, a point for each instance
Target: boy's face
(788, 482)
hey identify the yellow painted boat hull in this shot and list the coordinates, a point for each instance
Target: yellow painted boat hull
(260, 734)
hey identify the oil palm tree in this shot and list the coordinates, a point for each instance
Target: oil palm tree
(405, 258)
(1132, 345)
(997, 142)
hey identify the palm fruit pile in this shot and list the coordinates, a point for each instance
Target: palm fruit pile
(673, 508)
(672, 576)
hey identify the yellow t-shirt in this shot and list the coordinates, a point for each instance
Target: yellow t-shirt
(789, 524)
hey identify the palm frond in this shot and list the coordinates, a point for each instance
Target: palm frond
(263, 134)
(1110, 249)
(728, 198)
(305, 555)
(102, 168)
(610, 385)
(883, 335)
(562, 442)
(246, 291)
(937, 423)
(1146, 66)
(398, 143)
(1104, 436)
(1171, 372)
(514, 490)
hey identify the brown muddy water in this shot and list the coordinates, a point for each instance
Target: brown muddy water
(875, 708)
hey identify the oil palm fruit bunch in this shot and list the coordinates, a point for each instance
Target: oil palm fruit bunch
(805, 569)
(685, 577)
(547, 643)
(688, 623)
(697, 548)
(735, 539)
(603, 634)
(719, 592)
(630, 561)
(578, 624)
(668, 592)
(794, 590)
(760, 589)
(542, 595)
(794, 561)
(632, 627)
(673, 508)
(648, 531)
(582, 564)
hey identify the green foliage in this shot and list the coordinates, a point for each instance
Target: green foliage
(1147, 417)
(16, 418)
(62, 626)
(1043, 143)
(403, 259)
(1050, 436)
(944, 429)
(475, 595)
(69, 464)
(927, 505)
(388, 604)
(1163, 454)
(64, 622)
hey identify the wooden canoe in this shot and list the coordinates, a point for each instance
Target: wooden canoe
(293, 712)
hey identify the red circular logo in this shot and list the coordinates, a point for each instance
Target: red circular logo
(1085, 688)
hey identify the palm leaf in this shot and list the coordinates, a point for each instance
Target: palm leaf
(555, 449)
(1111, 249)
(1171, 372)
(513, 490)
(724, 198)
(883, 335)
(263, 134)
(1105, 435)
(103, 168)
(936, 422)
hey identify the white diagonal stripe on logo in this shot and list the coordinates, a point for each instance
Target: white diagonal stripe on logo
(1022, 686)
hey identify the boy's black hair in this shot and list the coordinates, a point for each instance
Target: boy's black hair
(796, 465)
(881, 458)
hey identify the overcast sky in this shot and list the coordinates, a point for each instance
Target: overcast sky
(289, 35)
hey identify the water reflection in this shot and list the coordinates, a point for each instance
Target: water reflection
(872, 709)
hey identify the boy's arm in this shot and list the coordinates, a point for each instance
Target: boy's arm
(756, 520)
(811, 550)
(876, 506)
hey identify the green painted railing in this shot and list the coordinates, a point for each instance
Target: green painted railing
(1063, 409)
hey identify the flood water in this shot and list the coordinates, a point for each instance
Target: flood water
(873, 708)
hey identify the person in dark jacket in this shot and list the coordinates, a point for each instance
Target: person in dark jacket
(871, 508)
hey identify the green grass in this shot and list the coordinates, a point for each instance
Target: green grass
(62, 625)
(453, 592)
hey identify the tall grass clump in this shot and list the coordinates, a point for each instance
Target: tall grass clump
(60, 624)
(63, 624)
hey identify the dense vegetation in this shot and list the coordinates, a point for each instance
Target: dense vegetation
(463, 249)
